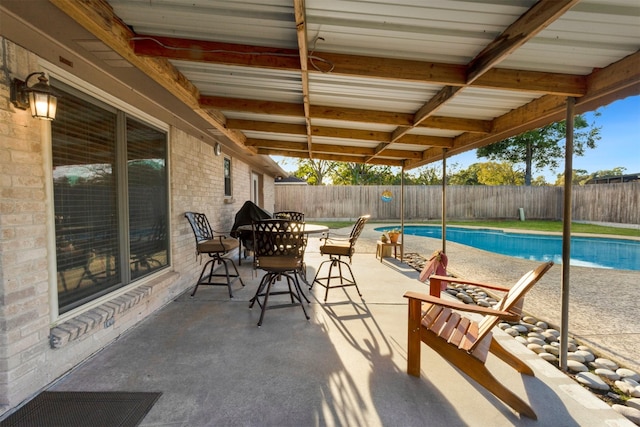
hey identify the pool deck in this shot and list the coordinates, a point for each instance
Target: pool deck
(603, 305)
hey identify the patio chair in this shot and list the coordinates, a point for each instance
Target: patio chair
(292, 215)
(337, 247)
(278, 247)
(298, 217)
(464, 342)
(248, 213)
(216, 245)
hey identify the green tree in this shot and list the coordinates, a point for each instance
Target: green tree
(314, 171)
(542, 148)
(349, 173)
(468, 176)
(581, 176)
(427, 175)
(503, 173)
(487, 173)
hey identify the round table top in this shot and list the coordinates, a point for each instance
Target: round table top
(308, 228)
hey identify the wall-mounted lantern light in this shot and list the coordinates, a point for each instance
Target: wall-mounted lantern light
(39, 97)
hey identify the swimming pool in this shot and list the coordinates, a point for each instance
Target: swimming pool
(619, 254)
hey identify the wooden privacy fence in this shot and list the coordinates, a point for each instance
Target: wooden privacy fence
(618, 203)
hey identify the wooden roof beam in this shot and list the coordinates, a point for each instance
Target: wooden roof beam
(343, 114)
(355, 65)
(301, 31)
(339, 133)
(536, 19)
(99, 19)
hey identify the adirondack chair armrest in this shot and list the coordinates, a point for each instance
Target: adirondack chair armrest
(454, 305)
(460, 280)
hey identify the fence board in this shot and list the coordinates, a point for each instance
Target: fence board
(617, 203)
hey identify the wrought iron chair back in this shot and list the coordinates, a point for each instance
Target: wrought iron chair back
(200, 225)
(216, 245)
(291, 215)
(278, 238)
(336, 248)
(278, 250)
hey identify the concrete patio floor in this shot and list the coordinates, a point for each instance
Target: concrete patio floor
(343, 367)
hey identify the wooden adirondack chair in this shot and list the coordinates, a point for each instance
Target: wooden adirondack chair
(464, 342)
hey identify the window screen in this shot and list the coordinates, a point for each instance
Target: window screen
(147, 186)
(88, 197)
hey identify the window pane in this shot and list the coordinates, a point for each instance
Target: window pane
(227, 177)
(147, 184)
(85, 202)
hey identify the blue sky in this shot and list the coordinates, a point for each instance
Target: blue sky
(619, 145)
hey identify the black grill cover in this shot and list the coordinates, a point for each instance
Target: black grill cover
(248, 213)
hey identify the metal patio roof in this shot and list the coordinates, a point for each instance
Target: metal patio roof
(382, 82)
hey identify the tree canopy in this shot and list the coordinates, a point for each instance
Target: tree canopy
(542, 148)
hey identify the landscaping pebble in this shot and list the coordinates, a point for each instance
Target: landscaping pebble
(576, 357)
(512, 331)
(535, 340)
(607, 373)
(627, 388)
(631, 381)
(544, 341)
(628, 373)
(592, 381)
(605, 363)
(576, 366)
(634, 403)
(586, 354)
(536, 335)
(632, 414)
(548, 357)
(542, 325)
(520, 328)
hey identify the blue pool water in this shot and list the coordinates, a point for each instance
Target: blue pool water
(619, 254)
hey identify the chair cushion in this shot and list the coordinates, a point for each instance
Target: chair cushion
(279, 263)
(336, 248)
(214, 245)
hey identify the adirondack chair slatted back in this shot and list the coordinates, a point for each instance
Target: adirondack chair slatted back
(511, 300)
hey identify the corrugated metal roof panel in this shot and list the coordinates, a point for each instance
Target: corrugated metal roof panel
(593, 34)
(232, 21)
(243, 82)
(448, 31)
(275, 136)
(368, 93)
(484, 104)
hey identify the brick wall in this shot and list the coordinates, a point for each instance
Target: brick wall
(24, 280)
(33, 350)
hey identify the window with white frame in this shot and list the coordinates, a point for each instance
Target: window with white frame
(110, 198)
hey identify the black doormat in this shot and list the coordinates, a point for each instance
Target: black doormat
(83, 409)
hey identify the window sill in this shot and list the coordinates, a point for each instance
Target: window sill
(229, 200)
(105, 315)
